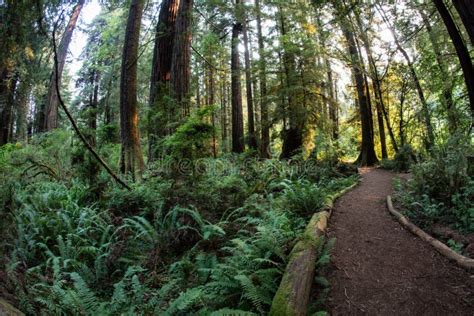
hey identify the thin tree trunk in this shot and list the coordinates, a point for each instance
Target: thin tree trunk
(461, 50)
(465, 9)
(51, 108)
(131, 161)
(237, 114)
(447, 84)
(223, 113)
(252, 140)
(93, 106)
(212, 102)
(332, 101)
(426, 112)
(181, 63)
(265, 142)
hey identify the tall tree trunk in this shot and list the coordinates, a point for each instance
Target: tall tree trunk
(181, 63)
(252, 140)
(465, 9)
(376, 86)
(161, 74)
(93, 107)
(212, 102)
(237, 114)
(293, 135)
(367, 156)
(461, 50)
(51, 108)
(131, 161)
(7, 91)
(265, 141)
(332, 100)
(447, 84)
(426, 112)
(224, 125)
(21, 105)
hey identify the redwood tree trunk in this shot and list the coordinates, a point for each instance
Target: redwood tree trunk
(465, 9)
(131, 161)
(21, 104)
(51, 108)
(461, 50)
(7, 90)
(265, 141)
(252, 140)
(367, 156)
(237, 114)
(181, 63)
(293, 135)
(161, 74)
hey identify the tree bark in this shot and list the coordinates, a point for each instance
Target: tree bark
(465, 9)
(265, 126)
(252, 140)
(367, 156)
(237, 114)
(131, 161)
(22, 102)
(7, 90)
(51, 108)
(461, 50)
(293, 135)
(161, 74)
(376, 86)
(181, 62)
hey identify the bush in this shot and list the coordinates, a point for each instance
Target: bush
(441, 188)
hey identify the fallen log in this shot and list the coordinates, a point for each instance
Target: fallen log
(461, 260)
(292, 297)
(6, 309)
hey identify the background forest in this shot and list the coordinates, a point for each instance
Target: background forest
(170, 166)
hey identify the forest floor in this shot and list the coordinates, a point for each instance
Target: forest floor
(378, 268)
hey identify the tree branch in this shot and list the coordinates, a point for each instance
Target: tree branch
(74, 125)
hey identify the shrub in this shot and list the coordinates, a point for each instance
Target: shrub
(441, 188)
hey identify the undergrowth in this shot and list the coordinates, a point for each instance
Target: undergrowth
(441, 189)
(209, 243)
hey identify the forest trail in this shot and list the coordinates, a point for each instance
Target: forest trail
(378, 268)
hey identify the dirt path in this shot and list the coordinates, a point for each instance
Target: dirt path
(378, 268)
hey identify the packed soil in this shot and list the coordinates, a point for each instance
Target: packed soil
(379, 268)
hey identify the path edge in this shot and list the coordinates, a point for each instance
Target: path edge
(462, 261)
(293, 294)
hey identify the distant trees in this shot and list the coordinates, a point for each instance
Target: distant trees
(262, 88)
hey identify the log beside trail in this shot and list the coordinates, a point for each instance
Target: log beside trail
(461, 260)
(6, 309)
(292, 297)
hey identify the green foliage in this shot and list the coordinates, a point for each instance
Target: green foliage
(190, 139)
(404, 159)
(161, 248)
(302, 196)
(441, 188)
